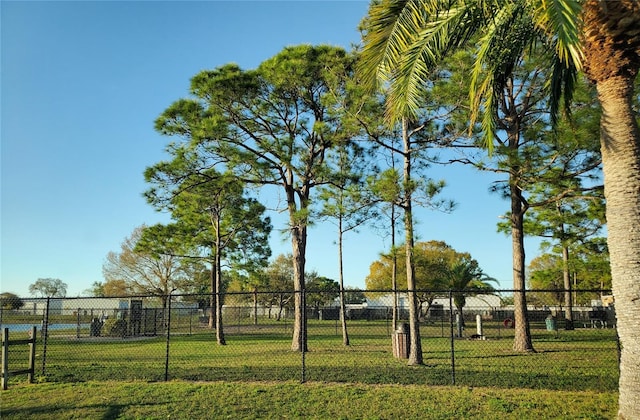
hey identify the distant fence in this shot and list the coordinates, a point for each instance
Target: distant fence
(174, 337)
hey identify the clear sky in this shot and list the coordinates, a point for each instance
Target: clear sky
(81, 85)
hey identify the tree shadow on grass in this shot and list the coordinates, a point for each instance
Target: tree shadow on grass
(434, 374)
(95, 411)
(564, 381)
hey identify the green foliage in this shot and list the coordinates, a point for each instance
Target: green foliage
(159, 240)
(566, 198)
(466, 278)
(279, 273)
(387, 185)
(114, 327)
(589, 270)
(354, 296)
(214, 220)
(321, 291)
(272, 126)
(507, 300)
(346, 201)
(48, 287)
(10, 301)
(205, 203)
(279, 277)
(438, 267)
(197, 283)
(404, 41)
(260, 121)
(117, 287)
(545, 273)
(432, 261)
(96, 289)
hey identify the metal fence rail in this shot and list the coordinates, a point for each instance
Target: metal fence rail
(160, 338)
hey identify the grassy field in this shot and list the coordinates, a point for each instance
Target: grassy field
(573, 374)
(247, 400)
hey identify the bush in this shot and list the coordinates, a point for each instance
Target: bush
(114, 328)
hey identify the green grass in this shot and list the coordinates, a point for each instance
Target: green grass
(573, 374)
(579, 360)
(239, 400)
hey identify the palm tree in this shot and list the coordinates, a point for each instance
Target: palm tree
(405, 39)
(467, 279)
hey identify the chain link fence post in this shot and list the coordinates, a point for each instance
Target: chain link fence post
(45, 335)
(303, 335)
(452, 340)
(168, 326)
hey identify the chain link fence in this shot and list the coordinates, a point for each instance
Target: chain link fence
(152, 338)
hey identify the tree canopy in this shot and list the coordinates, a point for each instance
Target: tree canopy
(10, 301)
(272, 126)
(48, 287)
(152, 271)
(439, 268)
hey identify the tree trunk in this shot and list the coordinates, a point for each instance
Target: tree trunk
(218, 270)
(298, 240)
(522, 340)
(459, 302)
(394, 269)
(343, 309)
(212, 297)
(612, 60)
(620, 143)
(255, 306)
(568, 299)
(415, 351)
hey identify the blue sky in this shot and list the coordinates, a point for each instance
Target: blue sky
(82, 83)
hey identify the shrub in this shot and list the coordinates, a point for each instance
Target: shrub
(114, 327)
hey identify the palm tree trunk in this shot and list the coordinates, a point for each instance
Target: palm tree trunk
(620, 144)
(612, 60)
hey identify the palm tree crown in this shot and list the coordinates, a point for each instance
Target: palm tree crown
(405, 39)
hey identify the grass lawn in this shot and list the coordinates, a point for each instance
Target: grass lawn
(256, 375)
(236, 400)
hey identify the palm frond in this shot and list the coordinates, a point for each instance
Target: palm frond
(405, 39)
(499, 49)
(562, 84)
(560, 20)
(385, 39)
(434, 37)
